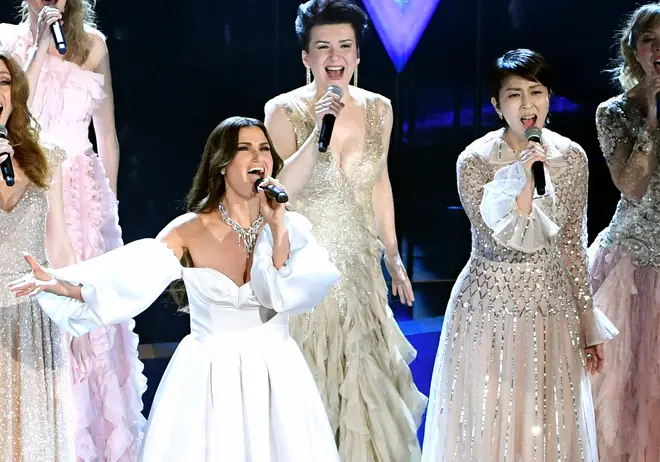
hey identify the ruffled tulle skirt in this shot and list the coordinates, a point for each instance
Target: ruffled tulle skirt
(359, 358)
(627, 393)
(108, 395)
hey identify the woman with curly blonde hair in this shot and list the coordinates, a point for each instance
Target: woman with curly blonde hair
(67, 93)
(34, 371)
(625, 258)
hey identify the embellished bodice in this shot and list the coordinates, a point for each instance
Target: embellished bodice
(636, 224)
(337, 202)
(23, 229)
(535, 262)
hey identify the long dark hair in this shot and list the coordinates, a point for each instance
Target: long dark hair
(209, 186)
(23, 129)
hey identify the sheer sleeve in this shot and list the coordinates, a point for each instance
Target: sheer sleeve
(306, 277)
(596, 328)
(629, 151)
(510, 227)
(116, 286)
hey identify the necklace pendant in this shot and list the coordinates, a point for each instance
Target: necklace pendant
(247, 238)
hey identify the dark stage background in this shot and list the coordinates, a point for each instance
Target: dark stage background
(179, 68)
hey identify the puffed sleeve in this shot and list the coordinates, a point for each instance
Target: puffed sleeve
(116, 286)
(510, 227)
(306, 277)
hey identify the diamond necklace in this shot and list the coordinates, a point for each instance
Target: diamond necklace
(246, 237)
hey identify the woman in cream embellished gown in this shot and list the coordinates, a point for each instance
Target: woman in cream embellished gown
(520, 335)
(35, 389)
(352, 343)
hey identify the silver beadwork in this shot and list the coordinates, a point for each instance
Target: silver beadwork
(246, 237)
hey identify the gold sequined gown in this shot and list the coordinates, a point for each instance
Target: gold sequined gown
(34, 385)
(352, 343)
(509, 382)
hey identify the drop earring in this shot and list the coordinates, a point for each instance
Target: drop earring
(308, 75)
(355, 76)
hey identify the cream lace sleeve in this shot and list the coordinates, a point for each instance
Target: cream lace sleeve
(630, 151)
(596, 328)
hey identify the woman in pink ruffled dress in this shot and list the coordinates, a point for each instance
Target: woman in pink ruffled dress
(625, 258)
(67, 93)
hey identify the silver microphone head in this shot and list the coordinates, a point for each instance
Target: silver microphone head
(533, 134)
(336, 90)
(3, 131)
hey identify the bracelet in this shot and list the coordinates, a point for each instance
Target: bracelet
(645, 141)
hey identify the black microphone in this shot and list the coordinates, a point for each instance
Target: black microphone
(58, 37)
(328, 122)
(538, 172)
(6, 167)
(271, 191)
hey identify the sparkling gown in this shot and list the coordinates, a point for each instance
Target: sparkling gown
(237, 388)
(107, 398)
(352, 343)
(34, 371)
(509, 382)
(625, 275)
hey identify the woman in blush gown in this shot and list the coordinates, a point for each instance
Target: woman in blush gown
(67, 93)
(625, 257)
(34, 368)
(237, 388)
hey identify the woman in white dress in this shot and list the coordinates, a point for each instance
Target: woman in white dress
(238, 388)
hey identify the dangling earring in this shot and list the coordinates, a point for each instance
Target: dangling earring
(308, 75)
(355, 76)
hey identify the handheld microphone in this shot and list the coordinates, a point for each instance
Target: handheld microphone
(538, 172)
(58, 37)
(271, 191)
(328, 122)
(7, 167)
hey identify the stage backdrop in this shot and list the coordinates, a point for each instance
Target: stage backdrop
(179, 68)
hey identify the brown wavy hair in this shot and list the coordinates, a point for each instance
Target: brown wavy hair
(22, 127)
(627, 71)
(77, 15)
(209, 186)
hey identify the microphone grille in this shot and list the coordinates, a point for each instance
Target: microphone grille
(3, 131)
(336, 90)
(533, 132)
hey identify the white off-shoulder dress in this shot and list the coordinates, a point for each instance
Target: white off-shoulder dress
(237, 388)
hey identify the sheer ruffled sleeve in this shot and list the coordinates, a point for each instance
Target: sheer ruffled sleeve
(511, 228)
(116, 286)
(596, 328)
(306, 277)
